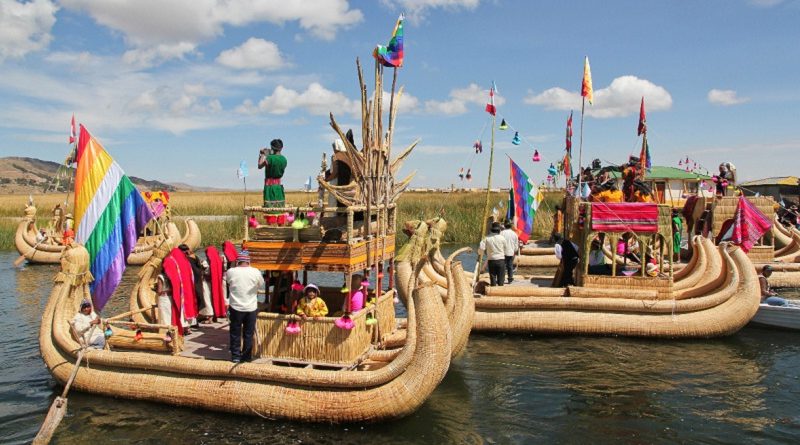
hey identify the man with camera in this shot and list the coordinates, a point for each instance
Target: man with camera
(274, 164)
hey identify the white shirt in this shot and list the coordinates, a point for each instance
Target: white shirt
(91, 333)
(512, 242)
(243, 284)
(495, 247)
(557, 249)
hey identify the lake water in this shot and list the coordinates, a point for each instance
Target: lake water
(503, 389)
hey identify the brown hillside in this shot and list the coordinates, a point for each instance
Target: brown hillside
(29, 175)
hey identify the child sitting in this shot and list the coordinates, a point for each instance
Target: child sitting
(311, 305)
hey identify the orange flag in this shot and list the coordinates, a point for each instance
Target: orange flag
(586, 87)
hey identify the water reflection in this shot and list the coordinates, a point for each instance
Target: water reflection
(503, 389)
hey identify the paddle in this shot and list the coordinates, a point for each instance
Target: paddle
(57, 409)
(21, 258)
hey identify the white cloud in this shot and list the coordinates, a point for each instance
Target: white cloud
(25, 27)
(158, 29)
(253, 54)
(418, 8)
(154, 55)
(460, 98)
(725, 97)
(621, 98)
(316, 100)
(408, 103)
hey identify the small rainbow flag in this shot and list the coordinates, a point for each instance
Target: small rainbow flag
(391, 55)
(110, 213)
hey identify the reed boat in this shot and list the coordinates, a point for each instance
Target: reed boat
(369, 368)
(49, 250)
(779, 247)
(715, 294)
(271, 386)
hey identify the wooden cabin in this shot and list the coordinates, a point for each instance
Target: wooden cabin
(671, 185)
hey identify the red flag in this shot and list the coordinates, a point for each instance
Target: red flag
(72, 132)
(569, 133)
(642, 120)
(490, 108)
(749, 224)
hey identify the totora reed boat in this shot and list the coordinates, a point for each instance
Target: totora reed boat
(48, 250)
(364, 365)
(715, 294)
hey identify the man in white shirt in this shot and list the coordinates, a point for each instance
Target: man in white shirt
(87, 325)
(512, 248)
(495, 247)
(242, 283)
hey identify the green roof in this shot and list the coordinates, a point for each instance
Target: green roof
(663, 172)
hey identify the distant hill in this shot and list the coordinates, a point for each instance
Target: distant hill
(30, 175)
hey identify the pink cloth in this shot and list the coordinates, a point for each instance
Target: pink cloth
(749, 224)
(356, 301)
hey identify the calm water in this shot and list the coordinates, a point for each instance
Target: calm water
(504, 389)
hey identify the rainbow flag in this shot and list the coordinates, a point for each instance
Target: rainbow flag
(391, 55)
(109, 215)
(524, 198)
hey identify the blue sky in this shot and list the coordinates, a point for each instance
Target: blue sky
(183, 90)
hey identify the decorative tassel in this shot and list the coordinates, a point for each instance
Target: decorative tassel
(503, 125)
(138, 335)
(344, 290)
(478, 146)
(344, 322)
(516, 140)
(680, 162)
(292, 328)
(536, 157)
(371, 320)
(297, 286)
(461, 174)
(469, 174)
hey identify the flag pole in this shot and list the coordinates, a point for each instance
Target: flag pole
(486, 205)
(580, 147)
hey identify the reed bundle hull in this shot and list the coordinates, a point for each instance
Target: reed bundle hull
(264, 389)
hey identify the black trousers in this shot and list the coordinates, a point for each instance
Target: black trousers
(510, 268)
(242, 321)
(497, 271)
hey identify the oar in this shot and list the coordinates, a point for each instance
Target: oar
(21, 258)
(57, 409)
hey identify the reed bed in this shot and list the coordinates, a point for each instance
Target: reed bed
(462, 210)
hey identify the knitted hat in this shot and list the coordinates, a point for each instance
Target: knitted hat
(276, 144)
(311, 286)
(243, 257)
(86, 303)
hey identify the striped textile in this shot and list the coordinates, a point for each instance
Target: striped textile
(391, 55)
(749, 224)
(109, 215)
(524, 198)
(625, 217)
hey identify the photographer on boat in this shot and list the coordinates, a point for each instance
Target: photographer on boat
(274, 164)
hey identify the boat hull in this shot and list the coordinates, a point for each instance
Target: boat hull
(779, 317)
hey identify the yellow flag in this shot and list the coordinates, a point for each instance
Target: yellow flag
(586, 87)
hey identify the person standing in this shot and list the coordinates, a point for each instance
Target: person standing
(274, 164)
(566, 251)
(243, 283)
(512, 249)
(494, 245)
(677, 231)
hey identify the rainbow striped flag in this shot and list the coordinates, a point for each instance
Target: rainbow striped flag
(391, 55)
(110, 213)
(524, 198)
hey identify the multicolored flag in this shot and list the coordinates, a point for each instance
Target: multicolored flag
(642, 120)
(490, 108)
(110, 213)
(586, 86)
(524, 198)
(391, 55)
(569, 134)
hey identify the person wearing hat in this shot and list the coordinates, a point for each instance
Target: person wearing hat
(494, 245)
(87, 325)
(274, 164)
(242, 283)
(311, 305)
